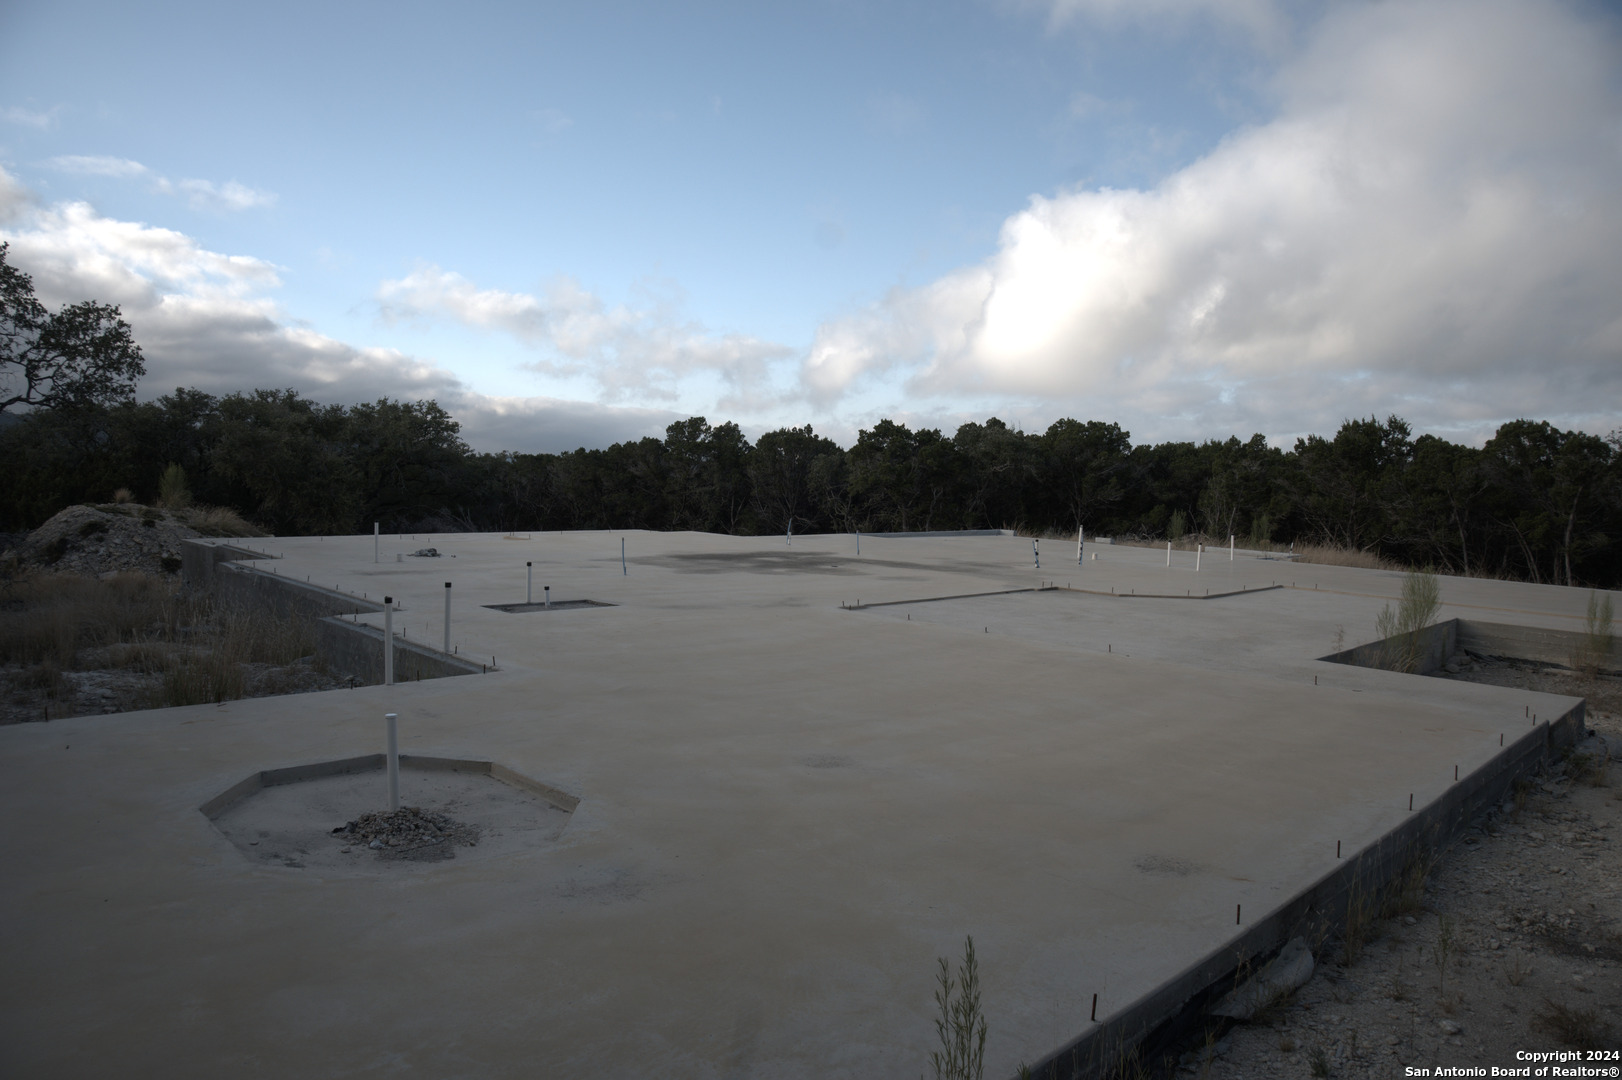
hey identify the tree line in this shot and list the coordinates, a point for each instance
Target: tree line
(1535, 502)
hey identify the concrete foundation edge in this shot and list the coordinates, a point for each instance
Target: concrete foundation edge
(315, 770)
(1147, 1027)
(350, 647)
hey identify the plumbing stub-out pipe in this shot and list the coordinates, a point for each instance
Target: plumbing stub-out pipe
(529, 583)
(394, 760)
(447, 616)
(546, 592)
(388, 641)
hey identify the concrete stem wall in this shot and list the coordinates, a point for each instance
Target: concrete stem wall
(353, 647)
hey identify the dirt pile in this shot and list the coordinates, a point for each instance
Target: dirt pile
(122, 537)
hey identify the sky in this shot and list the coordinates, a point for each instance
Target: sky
(573, 224)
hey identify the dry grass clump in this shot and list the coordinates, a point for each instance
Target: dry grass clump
(219, 521)
(1336, 555)
(1581, 1029)
(1589, 768)
(50, 617)
(141, 623)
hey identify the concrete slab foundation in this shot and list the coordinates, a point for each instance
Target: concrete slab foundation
(791, 801)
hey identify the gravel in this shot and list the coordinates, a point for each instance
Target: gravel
(409, 832)
(96, 540)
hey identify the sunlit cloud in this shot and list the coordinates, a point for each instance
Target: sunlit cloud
(1428, 226)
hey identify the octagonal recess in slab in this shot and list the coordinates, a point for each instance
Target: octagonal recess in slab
(292, 817)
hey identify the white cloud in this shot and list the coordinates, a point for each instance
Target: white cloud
(17, 114)
(201, 194)
(1265, 20)
(92, 165)
(204, 319)
(644, 350)
(14, 198)
(1428, 226)
(230, 195)
(551, 425)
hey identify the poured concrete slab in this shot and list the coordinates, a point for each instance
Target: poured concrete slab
(790, 805)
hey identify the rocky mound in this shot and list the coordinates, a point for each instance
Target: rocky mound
(118, 537)
(408, 833)
(106, 539)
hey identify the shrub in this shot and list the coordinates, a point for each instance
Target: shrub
(1400, 630)
(172, 491)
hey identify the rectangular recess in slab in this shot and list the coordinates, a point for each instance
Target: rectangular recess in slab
(556, 605)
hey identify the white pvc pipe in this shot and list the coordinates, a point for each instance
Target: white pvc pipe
(1168, 552)
(1199, 549)
(623, 572)
(447, 616)
(546, 590)
(1230, 547)
(1079, 542)
(788, 538)
(1036, 555)
(388, 641)
(529, 583)
(394, 760)
(374, 541)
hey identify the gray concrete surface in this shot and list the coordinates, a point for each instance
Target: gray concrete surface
(788, 809)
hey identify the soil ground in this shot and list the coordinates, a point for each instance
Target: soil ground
(112, 689)
(1516, 948)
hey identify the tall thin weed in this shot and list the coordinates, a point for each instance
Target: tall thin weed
(1595, 643)
(961, 1025)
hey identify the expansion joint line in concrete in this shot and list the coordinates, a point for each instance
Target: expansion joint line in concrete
(1172, 596)
(858, 606)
